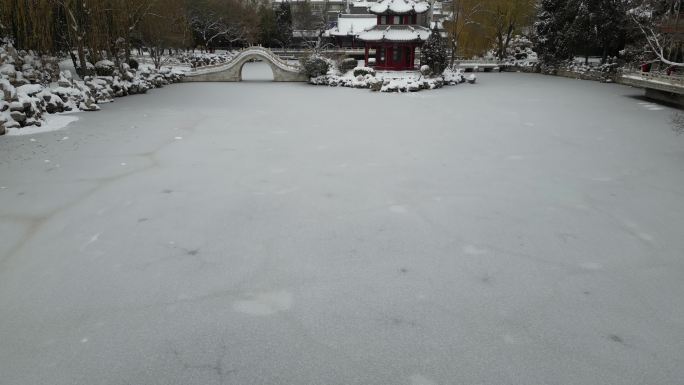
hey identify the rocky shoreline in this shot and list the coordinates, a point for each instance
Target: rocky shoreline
(32, 86)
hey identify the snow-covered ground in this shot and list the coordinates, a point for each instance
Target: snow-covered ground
(53, 122)
(524, 231)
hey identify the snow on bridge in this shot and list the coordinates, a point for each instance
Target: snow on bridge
(475, 65)
(232, 70)
(658, 86)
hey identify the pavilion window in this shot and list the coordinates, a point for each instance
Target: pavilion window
(397, 20)
(396, 54)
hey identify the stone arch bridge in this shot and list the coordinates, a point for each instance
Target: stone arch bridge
(232, 70)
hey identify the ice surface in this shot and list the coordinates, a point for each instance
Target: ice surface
(526, 230)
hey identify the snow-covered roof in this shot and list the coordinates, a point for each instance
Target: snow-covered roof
(399, 7)
(363, 4)
(395, 33)
(349, 25)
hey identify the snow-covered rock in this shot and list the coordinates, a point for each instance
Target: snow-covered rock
(8, 70)
(25, 96)
(105, 68)
(30, 89)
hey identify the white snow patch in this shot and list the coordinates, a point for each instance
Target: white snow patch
(265, 303)
(591, 266)
(418, 379)
(474, 250)
(398, 209)
(90, 241)
(509, 339)
(646, 237)
(52, 122)
(287, 191)
(603, 179)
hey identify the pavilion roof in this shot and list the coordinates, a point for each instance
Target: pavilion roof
(395, 33)
(350, 25)
(399, 7)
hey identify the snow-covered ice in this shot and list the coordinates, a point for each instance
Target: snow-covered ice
(53, 122)
(527, 230)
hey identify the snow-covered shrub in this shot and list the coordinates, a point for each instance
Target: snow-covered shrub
(425, 70)
(347, 64)
(104, 68)
(322, 80)
(201, 59)
(453, 76)
(133, 64)
(314, 65)
(364, 71)
(389, 81)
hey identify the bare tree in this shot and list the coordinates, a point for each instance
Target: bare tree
(657, 41)
(210, 22)
(463, 15)
(507, 16)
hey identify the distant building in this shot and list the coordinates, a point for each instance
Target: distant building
(360, 7)
(348, 28)
(400, 29)
(325, 9)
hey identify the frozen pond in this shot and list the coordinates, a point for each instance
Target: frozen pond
(525, 230)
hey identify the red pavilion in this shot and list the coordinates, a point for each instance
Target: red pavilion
(397, 33)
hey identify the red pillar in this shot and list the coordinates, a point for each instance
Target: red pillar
(409, 49)
(366, 55)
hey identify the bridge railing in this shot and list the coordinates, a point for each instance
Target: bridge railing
(675, 80)
(297, 51)
(265, 52)
(477, 63)
(483, 61)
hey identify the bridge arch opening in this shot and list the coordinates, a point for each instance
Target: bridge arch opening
(256, 71)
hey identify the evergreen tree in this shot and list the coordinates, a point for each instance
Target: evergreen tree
(434, 53)
(284, 24)
(552, 38)
(612, 27)
(565, 28)
(268, 33)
